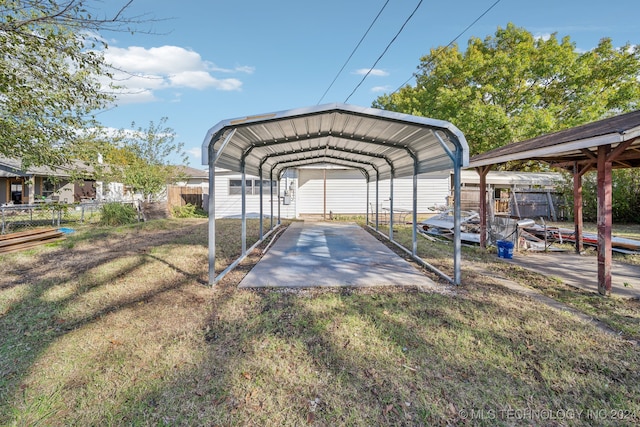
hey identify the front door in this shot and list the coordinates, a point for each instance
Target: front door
(16, 190)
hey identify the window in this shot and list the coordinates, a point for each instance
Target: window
(253, 186)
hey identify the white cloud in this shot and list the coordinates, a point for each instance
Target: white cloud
(372, 72)
(542, 36)
(378, 89)
(140, 72)
(194, 152)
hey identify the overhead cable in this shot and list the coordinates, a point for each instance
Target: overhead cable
(384, 52)
(413, 75)
(353, 52)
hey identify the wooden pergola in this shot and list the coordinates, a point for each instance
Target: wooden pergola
(603, 145)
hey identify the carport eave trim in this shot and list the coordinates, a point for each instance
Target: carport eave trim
(218, 130)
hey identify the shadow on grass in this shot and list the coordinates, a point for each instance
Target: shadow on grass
(391, 357)
(167, 351)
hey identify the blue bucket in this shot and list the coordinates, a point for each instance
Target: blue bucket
(505, 249)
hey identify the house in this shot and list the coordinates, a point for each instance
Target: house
(37, 183)
(324, 190)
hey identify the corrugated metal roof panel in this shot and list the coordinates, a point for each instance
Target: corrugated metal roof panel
(382, 143)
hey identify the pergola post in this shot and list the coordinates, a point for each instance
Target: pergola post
(483, 171)
(244, 210)
(578, 172)
(604, 220)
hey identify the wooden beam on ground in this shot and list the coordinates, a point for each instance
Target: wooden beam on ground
(14, 242)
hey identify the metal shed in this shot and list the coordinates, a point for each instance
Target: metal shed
(383, 145)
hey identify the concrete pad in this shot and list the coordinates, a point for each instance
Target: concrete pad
(331, 254)
(581, 271)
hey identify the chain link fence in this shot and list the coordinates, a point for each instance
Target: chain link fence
(20, 217)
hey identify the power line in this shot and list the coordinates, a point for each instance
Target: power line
(354, 51)
(384, 52)
(413, 75)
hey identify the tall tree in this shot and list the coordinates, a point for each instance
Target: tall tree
(49, 68)
(513, 86)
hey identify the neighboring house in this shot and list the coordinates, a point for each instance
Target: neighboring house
(42, 183)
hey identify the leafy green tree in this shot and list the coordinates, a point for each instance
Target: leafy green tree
(143, 159)
(49, 69)
(513, 86)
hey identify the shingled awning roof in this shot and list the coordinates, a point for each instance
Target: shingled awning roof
(601, 146)
(564, 148)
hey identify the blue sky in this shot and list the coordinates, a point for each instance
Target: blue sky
(206, 61)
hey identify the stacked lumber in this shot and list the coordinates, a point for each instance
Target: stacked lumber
(27, 239)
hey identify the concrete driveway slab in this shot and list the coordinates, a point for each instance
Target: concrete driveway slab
(581, 271)
(331, 254)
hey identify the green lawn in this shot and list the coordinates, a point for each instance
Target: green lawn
(118, 327)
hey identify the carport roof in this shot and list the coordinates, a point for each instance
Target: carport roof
(382, 144)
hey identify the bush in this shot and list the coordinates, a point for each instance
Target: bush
(188, 211)
(625, 204)
(114, 214)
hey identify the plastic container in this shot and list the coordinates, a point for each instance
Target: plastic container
(505, 249)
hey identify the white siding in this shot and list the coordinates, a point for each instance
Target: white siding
(433, 191)
(347, 192)
(230, 205)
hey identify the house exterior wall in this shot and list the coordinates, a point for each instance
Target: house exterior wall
(230, 205)
(347, 192)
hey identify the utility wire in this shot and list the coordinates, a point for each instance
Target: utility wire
(385, 51)
(414, 75)
(352, 53)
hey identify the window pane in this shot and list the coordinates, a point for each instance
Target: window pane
(235, 186)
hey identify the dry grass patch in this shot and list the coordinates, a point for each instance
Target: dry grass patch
(116, 327)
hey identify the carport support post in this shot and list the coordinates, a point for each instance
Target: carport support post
(271, 192)
(261, 200)
(457, 212)
(377, 198)
(212, 215)
(414, 219)
(279, 179)
(366, 219)
(604, 220)
(244, 209)
(391, 207)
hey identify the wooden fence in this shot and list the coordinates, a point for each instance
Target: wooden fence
(179, 196)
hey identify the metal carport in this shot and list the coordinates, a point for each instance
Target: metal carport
(601, 145)
(381, 144)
